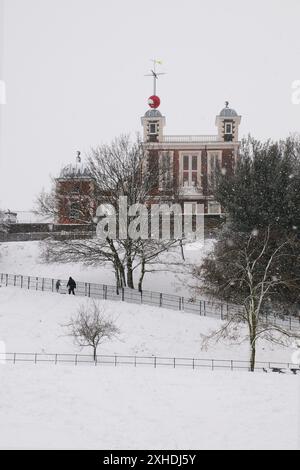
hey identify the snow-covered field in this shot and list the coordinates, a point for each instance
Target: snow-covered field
(24, 258)
(48, 406)
(96, 408)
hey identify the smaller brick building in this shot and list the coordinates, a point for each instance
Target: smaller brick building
(75, 189)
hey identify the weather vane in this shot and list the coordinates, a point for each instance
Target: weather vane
(154, 100)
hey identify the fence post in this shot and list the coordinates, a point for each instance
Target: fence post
(52, 285)
(231, 365)
(15, 279)
(174, 362)
(28, 282)
(200, 302)
(155, 360)
(160, 299)
(43, 284)
(15, 357)
(123, 294)
(115, 361)
(76, 359)
(6, 280)
(36, 283)
(193, 364)
(35, 358)
(89, 289)
(212, 365)
(179, 303)
(221, 311)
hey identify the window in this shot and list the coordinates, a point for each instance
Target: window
(153, 128)
(228, 128)
(74, 211)
(214, 207)
(76, 189)
(166, 170)
(191, 170)
(214, 163)
(191, 208)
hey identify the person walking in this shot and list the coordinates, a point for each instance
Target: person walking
(71, 286)
(58, 285)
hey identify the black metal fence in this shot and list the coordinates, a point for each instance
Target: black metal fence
(147, 361)
(40, 236)
(193, 305)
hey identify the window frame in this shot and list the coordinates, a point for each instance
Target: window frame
(155, 124)
(231, 128)
(211, 169)
(191, 173)
(166, 183)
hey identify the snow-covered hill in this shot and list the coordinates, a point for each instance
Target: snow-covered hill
(33, 321)
(48, 406)
(24, 258)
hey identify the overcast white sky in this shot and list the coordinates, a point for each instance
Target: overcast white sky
(74, 72)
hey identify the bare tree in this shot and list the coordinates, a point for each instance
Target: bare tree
(123, 169)
(2, 222)
(92, 327)
(246, 272)
(3, 225)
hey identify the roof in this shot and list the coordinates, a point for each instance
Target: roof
(228, 112)
(153, 113)
(76, 170)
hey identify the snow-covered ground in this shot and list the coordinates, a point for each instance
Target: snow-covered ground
(95, 408)
(33, 321)
(48, 406)
(24, 258)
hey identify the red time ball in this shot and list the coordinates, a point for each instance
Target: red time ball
(154, 101)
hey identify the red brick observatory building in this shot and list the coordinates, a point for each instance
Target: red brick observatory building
(189, 162)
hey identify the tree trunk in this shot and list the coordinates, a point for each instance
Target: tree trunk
(94, 353)
(252, 334)
(122, 275)
(119, 268)
(142, 275)
(130, 283)
(253, 356)
(182, 250)
(118, 281)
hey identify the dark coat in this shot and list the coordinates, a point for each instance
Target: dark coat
(71, 284)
